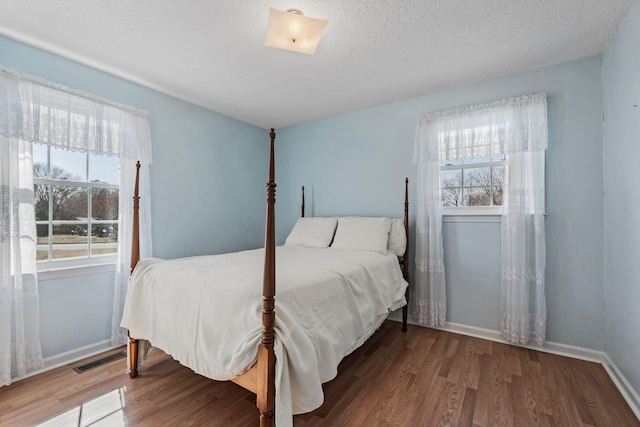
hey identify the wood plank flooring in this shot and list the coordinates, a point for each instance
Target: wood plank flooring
(423, 377)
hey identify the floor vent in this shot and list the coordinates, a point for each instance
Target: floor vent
(88, 366)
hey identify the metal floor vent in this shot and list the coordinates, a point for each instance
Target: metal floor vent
(88, 366)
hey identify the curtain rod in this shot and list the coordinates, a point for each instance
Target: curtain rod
(66, 89)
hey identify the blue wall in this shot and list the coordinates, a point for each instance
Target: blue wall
(621, 80)
(356, 163)
(75, 312)
(207, 189)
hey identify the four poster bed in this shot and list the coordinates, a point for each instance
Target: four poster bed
(332, 295)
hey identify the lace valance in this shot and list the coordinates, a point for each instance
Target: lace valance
(483, 131)
(39, 111)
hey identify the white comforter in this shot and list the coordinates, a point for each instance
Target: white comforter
(206, 313)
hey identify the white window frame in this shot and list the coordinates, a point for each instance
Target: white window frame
(72, 263)
(470, 210)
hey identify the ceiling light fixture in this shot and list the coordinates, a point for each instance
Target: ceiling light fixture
(291, 30)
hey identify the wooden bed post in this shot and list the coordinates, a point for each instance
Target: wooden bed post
(405, 258)
(266, 390)
(135, 257)
(302, 213)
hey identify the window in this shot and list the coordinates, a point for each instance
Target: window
(472, 163)
(76, 207)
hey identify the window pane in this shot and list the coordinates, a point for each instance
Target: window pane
(477, 177)
(68, 241)
(42, 232)
(41, 201)
(39, 161)
(80, 229)
(498, 175)
(467, 177)
(452, 196)
(478, 196)
(452, 178)
(497, 196)
(104, 239)
(451, 182)
(69, 203)
(68, 165)
(104, 169)
(464, 200)
(104, 204)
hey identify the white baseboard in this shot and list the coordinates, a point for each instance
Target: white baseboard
(629, 394)
(581, 353)
(68, 357)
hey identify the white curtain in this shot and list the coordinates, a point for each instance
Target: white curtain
(522, 299)
(40, 111)
(429, 297)
(19, 309)
(36, 110)
(123, 266)
(517, 129)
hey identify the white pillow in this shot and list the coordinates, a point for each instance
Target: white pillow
(313, 232)
(369, 234)
(397, 237)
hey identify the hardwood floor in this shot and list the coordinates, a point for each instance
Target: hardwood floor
(423, 377)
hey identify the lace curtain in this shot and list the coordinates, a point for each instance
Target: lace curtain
(429, 297)
(516, 128)
(125, 229)
(522, 298)
(19, 308)
(47, 113)
(35, 110)
(483, 131)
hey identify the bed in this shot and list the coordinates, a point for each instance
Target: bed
(338, 279)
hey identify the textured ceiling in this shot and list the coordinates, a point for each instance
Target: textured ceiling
(373, 52)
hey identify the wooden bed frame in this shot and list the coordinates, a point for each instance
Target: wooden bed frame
(260, 378)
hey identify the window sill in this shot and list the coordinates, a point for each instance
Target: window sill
(472, 210)
(60, 273)
(472, 218)
(472, 214)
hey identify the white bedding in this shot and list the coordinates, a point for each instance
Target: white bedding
(206, 313)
